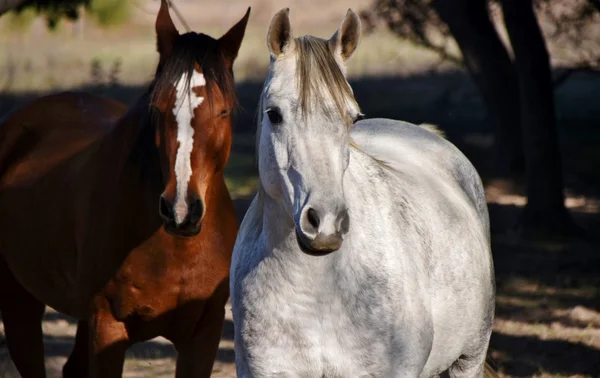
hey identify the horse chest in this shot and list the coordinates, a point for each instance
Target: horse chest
(315, 329)
(159, 282)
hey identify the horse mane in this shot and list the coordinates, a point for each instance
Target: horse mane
(189, 49)
(433, 129)
(319, 75)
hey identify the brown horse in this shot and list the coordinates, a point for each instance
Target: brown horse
(121, 217)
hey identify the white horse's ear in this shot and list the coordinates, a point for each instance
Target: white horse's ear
(345, 40)
(279, 37)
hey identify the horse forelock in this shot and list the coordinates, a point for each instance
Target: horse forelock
(320, 78)
(191, 49)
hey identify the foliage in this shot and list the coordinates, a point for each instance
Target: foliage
(106, 12)
(20, 22)
(570, 25)
(574, 26)
(110, 12)
(53, 10)
(418, 22)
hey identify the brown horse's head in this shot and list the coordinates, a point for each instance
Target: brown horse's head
(194, 94)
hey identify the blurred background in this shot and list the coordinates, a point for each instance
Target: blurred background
(514, 84)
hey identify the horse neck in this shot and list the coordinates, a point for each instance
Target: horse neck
(127, 134)
(128, 164)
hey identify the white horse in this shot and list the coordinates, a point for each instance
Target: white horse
(366, 251)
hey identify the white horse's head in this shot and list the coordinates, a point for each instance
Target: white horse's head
(306, 111)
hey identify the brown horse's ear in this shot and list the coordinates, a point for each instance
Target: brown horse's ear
(166, 33)
(231, 41)
(345, 40)
(279, 38)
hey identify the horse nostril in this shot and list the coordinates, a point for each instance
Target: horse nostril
(195, 210)
(344, 222)
(313, 218)
(165, 209)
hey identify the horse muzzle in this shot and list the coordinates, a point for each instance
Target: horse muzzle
(321, 231)
(320, 245)
(191, 224)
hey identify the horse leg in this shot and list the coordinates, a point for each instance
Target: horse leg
(78, 362)
(22, 315)
(108, 342)
(196, 356)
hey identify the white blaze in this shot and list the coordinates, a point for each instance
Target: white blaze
(185, 103)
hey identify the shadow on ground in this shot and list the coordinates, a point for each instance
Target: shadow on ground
(527, 356)
(61, 346)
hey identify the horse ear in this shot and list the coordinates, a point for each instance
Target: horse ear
(166, 33)
(345, 40)
(279, 38)
(231, 41)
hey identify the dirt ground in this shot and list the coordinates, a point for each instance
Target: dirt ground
(155, 358)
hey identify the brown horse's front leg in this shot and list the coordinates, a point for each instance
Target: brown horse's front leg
(77, 365)
(196, 356)
(108, 342)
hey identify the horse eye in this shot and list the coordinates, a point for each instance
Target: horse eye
(274, 116)
(224, 113)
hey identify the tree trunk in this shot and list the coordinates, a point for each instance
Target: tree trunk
(490, 65)
(545, 213)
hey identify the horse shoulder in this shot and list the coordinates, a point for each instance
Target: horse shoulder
(401, 145)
